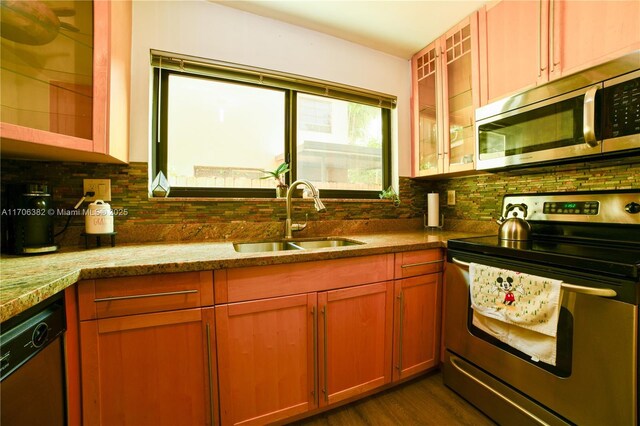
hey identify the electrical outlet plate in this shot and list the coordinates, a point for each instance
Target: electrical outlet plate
(451, 197)
(101, 187)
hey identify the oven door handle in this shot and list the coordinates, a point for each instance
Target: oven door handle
(591, 291)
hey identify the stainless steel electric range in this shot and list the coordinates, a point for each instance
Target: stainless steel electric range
(591, 242)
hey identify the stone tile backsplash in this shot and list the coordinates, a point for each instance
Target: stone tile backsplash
(478, 201)
(149, 220)
(479, 198)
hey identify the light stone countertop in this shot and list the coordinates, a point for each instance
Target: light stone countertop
(27, 280)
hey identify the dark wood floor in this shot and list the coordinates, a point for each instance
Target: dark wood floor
(424, 401)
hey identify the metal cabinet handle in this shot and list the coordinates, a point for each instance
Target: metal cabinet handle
(588, 116)
(401, 333)
(540, 38)
(140, 296)
(326, 352)
(453, 359)
(314, 313)
(552, 32)
(210, 362)
(411, 265)
(590, 291)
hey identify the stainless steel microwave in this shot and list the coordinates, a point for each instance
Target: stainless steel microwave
(592, 113)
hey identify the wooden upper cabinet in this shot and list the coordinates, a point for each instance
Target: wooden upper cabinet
(445, 79)
(66, 96)
(524, 44)
(267, 359)
(417, 324)
(426, 80)
(150, 369)
(355, 335)
(513, 47)
(587, 33)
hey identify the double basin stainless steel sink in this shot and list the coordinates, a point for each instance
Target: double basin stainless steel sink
(298, 244)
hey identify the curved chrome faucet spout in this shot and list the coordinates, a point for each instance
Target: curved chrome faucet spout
(289, 225)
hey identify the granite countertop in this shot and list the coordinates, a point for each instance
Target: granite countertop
(27, 280)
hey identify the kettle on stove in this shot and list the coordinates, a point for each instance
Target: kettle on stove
(514, 228)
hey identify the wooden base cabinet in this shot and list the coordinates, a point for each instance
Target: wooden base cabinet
(355, 333)
(149, 369)
(147, 350)
(417, 324)
(266, 357)
(285, 356)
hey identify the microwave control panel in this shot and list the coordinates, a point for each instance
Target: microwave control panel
(623, 103)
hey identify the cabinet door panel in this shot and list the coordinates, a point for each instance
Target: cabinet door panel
(587, 33)
(62, 111)
(266, 358)
(355, 340)
(460, 94)
(427, 110)
(152, 369)
(513, 47)
(417, 324)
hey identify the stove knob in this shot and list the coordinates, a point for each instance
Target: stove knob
(632, 208)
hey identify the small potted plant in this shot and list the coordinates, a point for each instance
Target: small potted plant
(390, 194)
(278, 175)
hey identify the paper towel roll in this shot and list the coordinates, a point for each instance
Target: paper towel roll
(433, 209)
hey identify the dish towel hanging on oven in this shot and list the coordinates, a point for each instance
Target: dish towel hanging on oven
(518, 309)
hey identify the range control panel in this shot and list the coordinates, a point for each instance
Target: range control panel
(571, 207)
(614, 207)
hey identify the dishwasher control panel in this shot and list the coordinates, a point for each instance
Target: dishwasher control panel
(20, 341)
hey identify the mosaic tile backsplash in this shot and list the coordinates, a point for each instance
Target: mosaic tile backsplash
(150, 220)
(478, 200)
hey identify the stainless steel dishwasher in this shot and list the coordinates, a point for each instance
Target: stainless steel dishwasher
(32, 379)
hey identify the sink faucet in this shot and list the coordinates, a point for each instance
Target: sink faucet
(289, 226)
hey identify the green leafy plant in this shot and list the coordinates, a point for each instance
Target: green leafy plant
(277, 174)
(390, 194)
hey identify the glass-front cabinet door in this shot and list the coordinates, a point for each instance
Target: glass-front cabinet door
(427, 152)
(47, 66)
(445, 96)
(460, 95)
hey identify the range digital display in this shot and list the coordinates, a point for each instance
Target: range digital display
(581, 207)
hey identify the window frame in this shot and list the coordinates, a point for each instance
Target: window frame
(159, 141)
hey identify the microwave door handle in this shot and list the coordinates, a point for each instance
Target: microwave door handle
(589, 117)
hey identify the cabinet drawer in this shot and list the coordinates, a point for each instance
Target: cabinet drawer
(110, 297)
(419, 262)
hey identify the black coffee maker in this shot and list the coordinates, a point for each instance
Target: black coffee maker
(27, 219)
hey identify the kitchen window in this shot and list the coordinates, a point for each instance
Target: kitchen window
(217, 126)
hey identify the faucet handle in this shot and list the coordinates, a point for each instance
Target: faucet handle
(300, 226)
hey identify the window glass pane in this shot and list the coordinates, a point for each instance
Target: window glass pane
(339, 144)
(223, 134)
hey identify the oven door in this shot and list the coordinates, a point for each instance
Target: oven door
(561, 127)
(595, 380)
